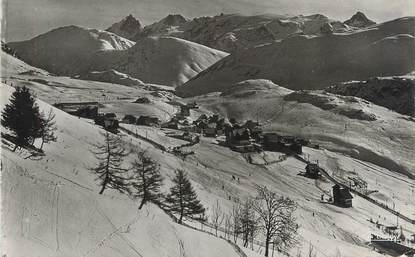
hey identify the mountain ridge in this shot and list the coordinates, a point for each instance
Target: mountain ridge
(315, 62)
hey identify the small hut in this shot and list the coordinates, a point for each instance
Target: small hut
(129, 119)
(148, 121)
(342, 196)
(312, 170)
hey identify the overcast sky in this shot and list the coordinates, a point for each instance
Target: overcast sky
(28, 18)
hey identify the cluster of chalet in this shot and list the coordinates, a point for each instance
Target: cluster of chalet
(185, 110)
(341, 195)
(143, 120)
(90, 110)
(249, 137)
(210, 126)
(180, 120)
(87, 110)
(244, 138)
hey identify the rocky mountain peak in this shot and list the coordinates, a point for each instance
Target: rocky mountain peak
(174, 19)
(128, 27)
(359, 20)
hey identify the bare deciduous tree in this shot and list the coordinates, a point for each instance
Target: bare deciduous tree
(248, 222)
(217, 216)
(47, 132)
(236, 221)
(228, 226)
(277, 218)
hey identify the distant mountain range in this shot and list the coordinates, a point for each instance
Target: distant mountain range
(316, 62)
(231, 32)
(297, 52)
(74, 50)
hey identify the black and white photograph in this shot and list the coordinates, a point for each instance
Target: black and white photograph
(207, 128)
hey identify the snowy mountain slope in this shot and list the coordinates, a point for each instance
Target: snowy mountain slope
(66, 50)
(346, 124)
(395, 93)
(129, 27)
(234, 32)
(115, 98)
(77, 51)
(12, 65)
(304, 62)
(111, 76)
(166, 61)
(59, 213)
(51, 207)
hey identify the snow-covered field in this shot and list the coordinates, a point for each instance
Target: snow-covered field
(339, 123)
(51, 206)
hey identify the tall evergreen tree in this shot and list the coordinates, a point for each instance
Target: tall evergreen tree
(182, 198)
(22, 117)
(146, 180)
(110, 155)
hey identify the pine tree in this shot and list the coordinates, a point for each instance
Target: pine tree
(22, 117)
(110, 155)
(182, 198)
(146, 180)
(48, 128)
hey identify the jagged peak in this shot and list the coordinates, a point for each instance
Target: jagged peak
(174, 19)
(130, 19)
(128, 27)
(359, 19)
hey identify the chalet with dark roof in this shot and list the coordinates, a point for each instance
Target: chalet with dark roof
(342, 196)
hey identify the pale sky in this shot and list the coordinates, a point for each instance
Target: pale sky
(25, 19)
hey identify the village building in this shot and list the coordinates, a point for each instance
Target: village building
(192, 105)
(172, 124)
(129, 119)
(342, 196)
(210, 131)
(312, 170)
(81, 109)
(108, 121)
(142, 100)
(186, 136)
(148, 121)
(255, 129)
(285, 144)
(200, 126)
(239, 139)
(184, 111)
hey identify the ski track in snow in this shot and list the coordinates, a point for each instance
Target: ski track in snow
(114, 232)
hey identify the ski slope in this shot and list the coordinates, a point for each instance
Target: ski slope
(51, 204)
